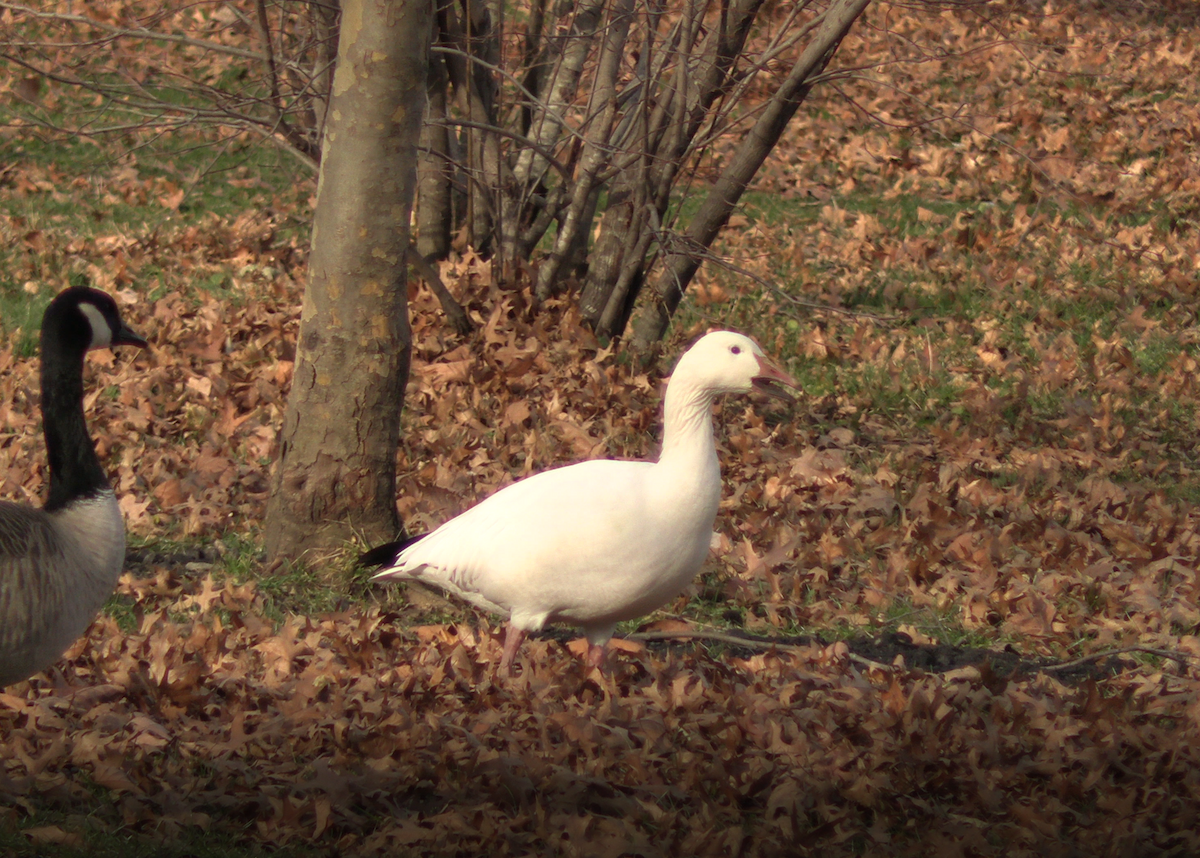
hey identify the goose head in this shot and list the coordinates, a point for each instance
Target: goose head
(728, 362)
(81, 318)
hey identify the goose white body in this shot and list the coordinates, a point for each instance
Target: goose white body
(602, 541)
(591, 544)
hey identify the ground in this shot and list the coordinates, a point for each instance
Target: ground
(979, 257)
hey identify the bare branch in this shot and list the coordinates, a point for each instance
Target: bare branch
(678, 270)
(133, 32)
(603, 93)
(453, 310)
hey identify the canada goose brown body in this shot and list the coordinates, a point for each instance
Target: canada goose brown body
(59, 563)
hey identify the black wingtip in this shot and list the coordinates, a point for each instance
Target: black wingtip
(385, 555)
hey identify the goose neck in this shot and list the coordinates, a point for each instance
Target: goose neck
(687, 421)
(75, 470)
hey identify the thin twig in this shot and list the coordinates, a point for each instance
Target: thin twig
(676, 242)
(755, 643)
(711, 257)
(751, 643)
(263, 25)
(511, 78)
(134, 32)
(1174, 655)
(451, 122)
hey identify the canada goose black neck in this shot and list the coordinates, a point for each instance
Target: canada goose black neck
(67, 334)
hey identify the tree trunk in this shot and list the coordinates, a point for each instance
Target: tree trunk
(336, 475)
(472, 36)
(434, 198)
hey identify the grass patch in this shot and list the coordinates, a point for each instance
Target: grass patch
(85, 213)
(292, 589)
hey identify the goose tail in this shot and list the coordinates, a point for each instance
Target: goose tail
(386, 554)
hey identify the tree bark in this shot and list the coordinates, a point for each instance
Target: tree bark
(434, 171)
(336, 474)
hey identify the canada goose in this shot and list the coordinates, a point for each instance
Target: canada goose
(59, 563)
(597, 542)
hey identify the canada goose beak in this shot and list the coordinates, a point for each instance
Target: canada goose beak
(771, 379)
(126, 337)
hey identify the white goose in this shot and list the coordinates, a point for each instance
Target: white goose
(59, 563)
(601, 541)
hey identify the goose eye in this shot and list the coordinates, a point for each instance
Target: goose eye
(737, 350)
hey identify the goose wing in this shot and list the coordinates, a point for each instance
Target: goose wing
(575, 543)
(30, 595)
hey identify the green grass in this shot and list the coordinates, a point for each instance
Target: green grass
(921, 302)
(305, 590)
(294, 589)
(83, 193)
(774, 208)
(1154, 352)
(116, 180)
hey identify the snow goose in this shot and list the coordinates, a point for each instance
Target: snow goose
(601, 541)
(59, 563)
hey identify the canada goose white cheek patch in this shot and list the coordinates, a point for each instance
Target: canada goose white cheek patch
(101, 332)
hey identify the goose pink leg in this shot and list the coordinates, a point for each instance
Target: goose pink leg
(595, 656)
(512, 642)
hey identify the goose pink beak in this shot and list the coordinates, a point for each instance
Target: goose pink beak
(771, 380)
